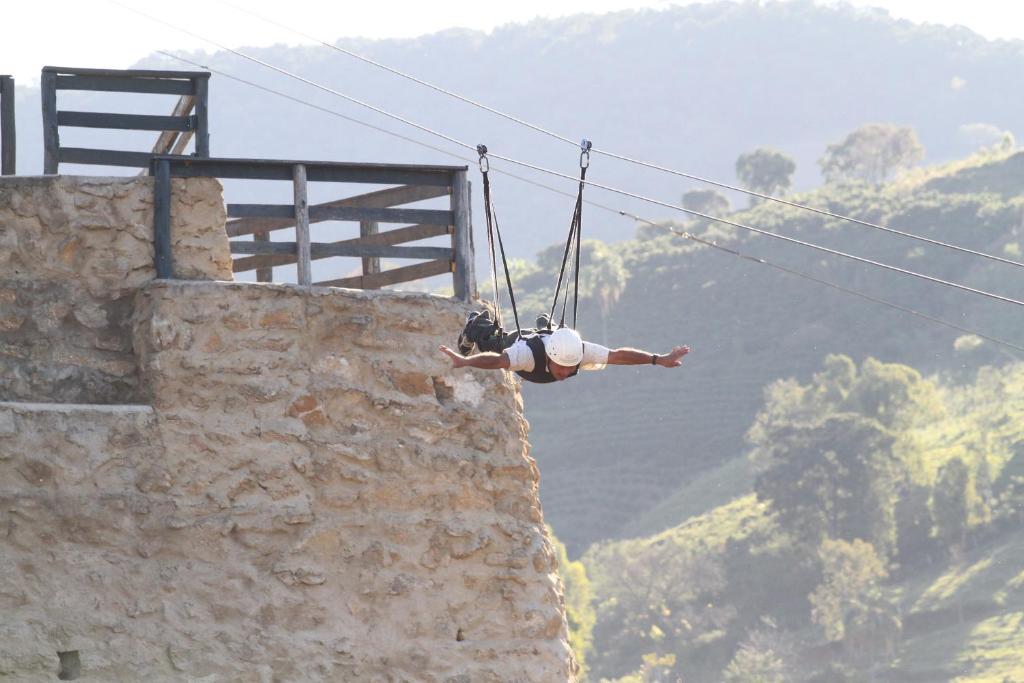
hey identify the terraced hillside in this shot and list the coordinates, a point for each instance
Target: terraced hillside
(614, 444)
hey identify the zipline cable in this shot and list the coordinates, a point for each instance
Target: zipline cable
(601, 206)
(591, 183)
(623, 157)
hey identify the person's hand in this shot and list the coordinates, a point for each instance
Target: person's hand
(674, 358)
(458, 361)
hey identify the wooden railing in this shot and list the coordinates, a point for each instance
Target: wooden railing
(176, 129)
(412, 184)
(8, 155)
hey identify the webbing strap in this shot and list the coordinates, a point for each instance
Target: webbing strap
(493, 229)
(572, 243)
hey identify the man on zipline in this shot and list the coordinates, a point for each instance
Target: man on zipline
(544, 355)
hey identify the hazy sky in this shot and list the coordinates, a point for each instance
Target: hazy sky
(102, 34)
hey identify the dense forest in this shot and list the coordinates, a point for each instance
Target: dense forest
(879, 539)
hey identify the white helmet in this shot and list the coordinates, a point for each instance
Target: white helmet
(564, 346)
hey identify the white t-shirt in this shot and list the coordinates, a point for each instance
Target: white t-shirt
(595, 356)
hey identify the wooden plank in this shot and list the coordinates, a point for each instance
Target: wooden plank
(162, 220)
(393, 276)
(8, 137)
(379, 176)
(104, 157)
(265, 273)
(402, 235)
(51, 137)
(88, 119)
(262, 211)
(345, 213)
(156, 86)
(126, 73)
(164, 143)
(305, 271)
(202, 133)
(409, 234)
(321, 250)
(371, 264)
(464, 276)
(340, 175)
(405, 194)
(274, 166)
(257, 263)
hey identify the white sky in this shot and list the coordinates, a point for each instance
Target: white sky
(101, 34)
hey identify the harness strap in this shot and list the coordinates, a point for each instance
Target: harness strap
(573, 243)
(493, 229)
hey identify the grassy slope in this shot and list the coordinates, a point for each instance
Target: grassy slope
(988, 645)
(963, 620)
(608, 464)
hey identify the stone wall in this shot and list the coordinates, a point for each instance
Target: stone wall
(73, 252)
(314, 495)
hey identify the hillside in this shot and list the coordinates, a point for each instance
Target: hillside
(609, 463)
(690, 87)
(823, 572)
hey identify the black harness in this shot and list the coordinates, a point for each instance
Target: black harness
(540, 373)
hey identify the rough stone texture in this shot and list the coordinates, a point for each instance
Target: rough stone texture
(314, 495)
(73, 252)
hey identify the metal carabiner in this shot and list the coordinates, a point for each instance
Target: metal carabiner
(585, 146)
(485, 164)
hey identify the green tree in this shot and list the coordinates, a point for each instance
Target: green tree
(951, 504)
(579, 610)
(710, 202)
(848, 604)
(765, 656)
(766, 171)
(657, 600)
(832, 478)
(825, 451)
(871, 153)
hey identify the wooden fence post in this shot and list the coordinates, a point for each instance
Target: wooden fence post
(8, 139)
(51, 138)
(371, 264)
(202, 101)
(264, 273)
(304, 261)
(162, 220)
(463, 276)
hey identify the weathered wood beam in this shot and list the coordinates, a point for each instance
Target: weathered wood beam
(126, 73)
(391, 237)
(339, 172)
(202, 134)
(8, 137)
(156, 86)
(103, 157)
(380, 199)
(88, 119)
(371, 264)
(51, 136)
(302, 245)
(162, 221)
(325, 250)
(464, 276)
(393, 276)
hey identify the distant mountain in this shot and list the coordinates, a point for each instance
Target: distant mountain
(690, 87)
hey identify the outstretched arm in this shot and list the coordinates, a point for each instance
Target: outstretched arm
(484, 361)
(672, 359)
